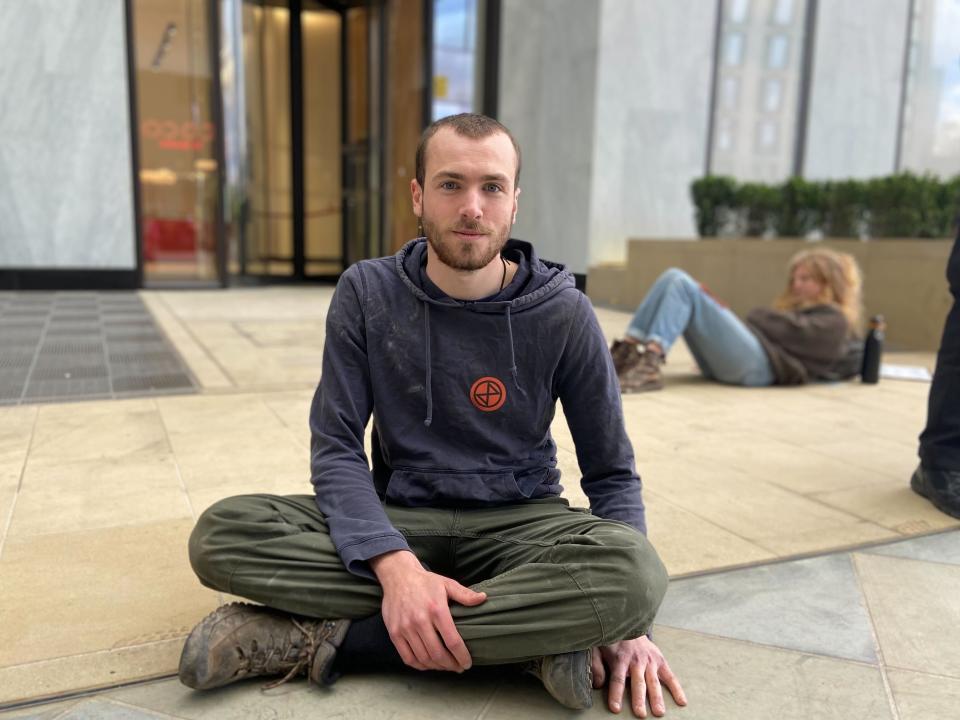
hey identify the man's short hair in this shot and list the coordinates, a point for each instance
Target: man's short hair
(471, 125)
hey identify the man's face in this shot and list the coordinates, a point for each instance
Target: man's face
(468, 201)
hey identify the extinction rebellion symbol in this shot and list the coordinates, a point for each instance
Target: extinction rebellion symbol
(488, 394)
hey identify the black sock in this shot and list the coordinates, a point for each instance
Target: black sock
(367, 647)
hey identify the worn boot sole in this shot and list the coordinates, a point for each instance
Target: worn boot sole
(568, 678)
(194, 670)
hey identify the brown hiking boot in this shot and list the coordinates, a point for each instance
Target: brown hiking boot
(625, 355)
(567, 677)
(643, 375)
(239, 640)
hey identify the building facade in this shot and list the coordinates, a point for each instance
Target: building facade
(209, 142)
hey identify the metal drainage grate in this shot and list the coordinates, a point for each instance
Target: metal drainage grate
(74, 346)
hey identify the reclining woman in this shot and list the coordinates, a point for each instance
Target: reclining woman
(811, 332)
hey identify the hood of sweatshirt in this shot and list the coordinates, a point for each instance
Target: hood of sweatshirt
(535, 282)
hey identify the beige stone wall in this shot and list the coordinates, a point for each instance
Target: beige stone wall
(903, 279)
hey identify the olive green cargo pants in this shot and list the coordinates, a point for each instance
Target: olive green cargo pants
(557, 579)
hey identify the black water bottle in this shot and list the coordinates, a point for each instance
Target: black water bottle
(872, 350)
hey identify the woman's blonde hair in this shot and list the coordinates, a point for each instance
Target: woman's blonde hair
(842, 282)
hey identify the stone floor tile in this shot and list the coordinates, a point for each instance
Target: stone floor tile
(99, 709)
(90, 494)
(882, 455)
(925, 697)
(97, 430)
(942, 547)
(204, 368)
(915, 612)
(890, 504)
(839, 537)
(775, 461)
(45, 711)
(293, 409)
(16, 427)
(406, 696)
(687, 543)
(215, 414)
(214, 459)
(73, 593)
(732, 679)
(811, 605)
(203, 498)
(69, 673)
(749, 507)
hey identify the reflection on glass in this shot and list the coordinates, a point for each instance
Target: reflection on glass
(178, 171)
(454, 57)
(931, 127)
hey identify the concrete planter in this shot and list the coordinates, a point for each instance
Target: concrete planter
(903, 279)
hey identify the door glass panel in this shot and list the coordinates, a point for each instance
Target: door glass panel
(179, 193)
(322, 139)
(268, 240)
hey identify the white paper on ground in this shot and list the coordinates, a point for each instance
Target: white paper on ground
(905, 372)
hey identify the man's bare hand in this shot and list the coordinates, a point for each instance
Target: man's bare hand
(642, 663)
(416, 612)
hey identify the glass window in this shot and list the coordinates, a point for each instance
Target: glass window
(754, 139)
(777, 47)
(729, 90)
(733, 49)
(738, 12)
(931, 129)
(725, 135)
(179, 180)
(455, 88)
(772, 94)
(766, 135)
(783, 12)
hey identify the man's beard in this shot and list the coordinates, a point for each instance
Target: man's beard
(464, 254)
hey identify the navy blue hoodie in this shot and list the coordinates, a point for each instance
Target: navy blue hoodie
(462, 394)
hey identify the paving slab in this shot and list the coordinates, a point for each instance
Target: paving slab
(925, 697)
(915, 610)
(942, 547)
(811, 605)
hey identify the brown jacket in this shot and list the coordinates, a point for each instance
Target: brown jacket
(809, 344)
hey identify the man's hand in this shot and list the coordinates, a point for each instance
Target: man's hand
(417, 614)
(642, 662)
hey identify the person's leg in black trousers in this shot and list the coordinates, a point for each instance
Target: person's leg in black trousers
(938, 476)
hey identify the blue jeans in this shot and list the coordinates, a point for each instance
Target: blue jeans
(723, 346)
(940, 440)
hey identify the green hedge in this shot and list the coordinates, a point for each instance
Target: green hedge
(903, 205)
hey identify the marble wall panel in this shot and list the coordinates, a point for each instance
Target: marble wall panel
(547, 99)
(66, 192)
(652, 112)
(855, 95)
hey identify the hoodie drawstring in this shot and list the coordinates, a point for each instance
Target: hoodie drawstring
(513, 356)
(426, 342)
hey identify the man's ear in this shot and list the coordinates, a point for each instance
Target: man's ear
(416, 196)
(516, 198)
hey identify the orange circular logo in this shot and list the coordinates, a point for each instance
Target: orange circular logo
(488, 394)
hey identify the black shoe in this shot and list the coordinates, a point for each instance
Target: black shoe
(941, 487)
